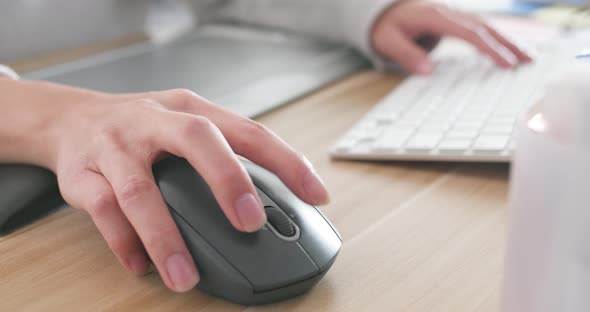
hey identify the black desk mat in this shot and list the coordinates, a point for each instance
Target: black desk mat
(27, 194)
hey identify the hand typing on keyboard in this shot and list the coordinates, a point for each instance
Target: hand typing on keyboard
(466, 110)
(408, 24)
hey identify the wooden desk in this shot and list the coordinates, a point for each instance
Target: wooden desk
(417, 237)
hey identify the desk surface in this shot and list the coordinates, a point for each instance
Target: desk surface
(417, 237)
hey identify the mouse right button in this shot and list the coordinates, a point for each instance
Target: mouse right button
(317, 238)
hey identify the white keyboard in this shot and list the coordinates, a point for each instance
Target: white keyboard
(466, 111)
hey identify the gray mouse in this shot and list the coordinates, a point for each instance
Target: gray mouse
(288, 256)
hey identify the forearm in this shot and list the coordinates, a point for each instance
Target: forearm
(348, 21)
(29, 109)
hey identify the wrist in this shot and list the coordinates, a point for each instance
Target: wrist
(361, 19)
(32, 120)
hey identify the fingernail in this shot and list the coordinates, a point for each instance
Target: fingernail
(315, 188)
(250, 212)
(424, 68)
(181, 272)
(138, 263)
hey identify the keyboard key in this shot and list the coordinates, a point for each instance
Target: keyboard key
(407, 124)
(355, 134)
(368, 125)
(345, 145)
(391, 140)
(498, 129)
(370, 136)
(415, 118)
(386, 119)
(422, 142)
(491, 143)
(446, 112)
(499, 120)
(468, 134)
(406, 93)
(437, 127)
(454, 146)
(469, 124)
(507, 112)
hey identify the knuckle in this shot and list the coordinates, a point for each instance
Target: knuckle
(108, 134)
(157, 241)
(231, 173)
(437, 8)
(135, 187)
(103, 204)
(477, 32)
(472, 17)
(107, 130)
(254, 129)
(185, 94)
(252, 133)
(139, 106)
(380, 40)
(432, 9)
(197, 126)
(146, 103)
(184, 99)
(480, 30)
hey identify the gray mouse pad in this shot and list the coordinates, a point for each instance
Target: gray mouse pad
(248, 70)
(27, 193)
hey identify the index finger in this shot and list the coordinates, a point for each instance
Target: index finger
(255, 142)
(199, 141)
(520, 53)
(473, 32)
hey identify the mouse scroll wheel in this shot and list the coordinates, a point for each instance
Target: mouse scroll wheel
(279, 220)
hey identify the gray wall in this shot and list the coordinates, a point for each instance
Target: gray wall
(33, 27)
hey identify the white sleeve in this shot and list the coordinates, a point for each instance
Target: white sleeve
(348, 21)
(8, 72)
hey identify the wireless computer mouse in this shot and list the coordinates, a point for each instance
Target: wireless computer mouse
(285, 258)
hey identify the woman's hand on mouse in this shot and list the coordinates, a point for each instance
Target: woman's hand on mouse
(102, 148)
(410, 28)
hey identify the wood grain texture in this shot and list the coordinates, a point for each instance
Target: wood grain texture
(417, 236)
(25, 65)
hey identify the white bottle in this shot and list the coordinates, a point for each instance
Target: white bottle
(547, 264)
